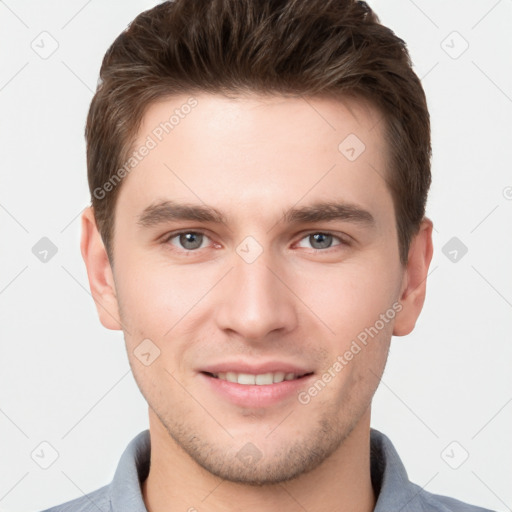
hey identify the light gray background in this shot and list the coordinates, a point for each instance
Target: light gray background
(65, 379)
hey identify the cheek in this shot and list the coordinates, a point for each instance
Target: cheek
(166, 304)
(155, 295)
(348, 297)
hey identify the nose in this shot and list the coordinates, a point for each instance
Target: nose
(256, 301)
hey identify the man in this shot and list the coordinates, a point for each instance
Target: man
(259, 172)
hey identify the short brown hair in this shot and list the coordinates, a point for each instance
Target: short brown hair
(282, 47)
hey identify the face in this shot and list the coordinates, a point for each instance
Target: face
(257, 319)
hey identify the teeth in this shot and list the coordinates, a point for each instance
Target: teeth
(279, 376)
(262, 379)
(231, 377)
(246, 378)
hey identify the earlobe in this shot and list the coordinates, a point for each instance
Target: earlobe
(99, 272)
(414, 282)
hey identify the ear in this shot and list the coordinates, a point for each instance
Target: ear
(101, 279)
(414, 283)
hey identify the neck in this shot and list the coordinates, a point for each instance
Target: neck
(342, 482)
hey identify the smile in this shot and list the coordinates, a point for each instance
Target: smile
(261, 379)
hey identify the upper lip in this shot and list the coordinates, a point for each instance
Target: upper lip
(255, 369)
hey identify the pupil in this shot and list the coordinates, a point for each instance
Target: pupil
(323, 239)
(190, 238)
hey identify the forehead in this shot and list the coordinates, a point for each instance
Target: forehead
(257, 153)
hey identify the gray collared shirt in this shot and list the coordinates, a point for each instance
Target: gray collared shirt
(394, 491)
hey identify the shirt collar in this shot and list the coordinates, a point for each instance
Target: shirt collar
(392, 487)
(132, 470)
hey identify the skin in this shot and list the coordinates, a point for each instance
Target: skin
(252, 158)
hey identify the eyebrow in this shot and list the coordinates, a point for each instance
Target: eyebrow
(166, 211)
(170, 210)
(328, 211)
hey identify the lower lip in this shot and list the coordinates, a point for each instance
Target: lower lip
(253, 395)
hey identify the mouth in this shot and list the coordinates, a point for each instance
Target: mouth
(260, 379)
(253, 386)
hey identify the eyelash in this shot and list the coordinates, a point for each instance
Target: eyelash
(170, 236)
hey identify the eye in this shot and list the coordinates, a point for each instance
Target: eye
(188, 240)
(320, 240)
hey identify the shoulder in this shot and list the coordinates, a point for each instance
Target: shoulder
(95, 501)
(123, 494)
(394, 489)
(438, 503)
